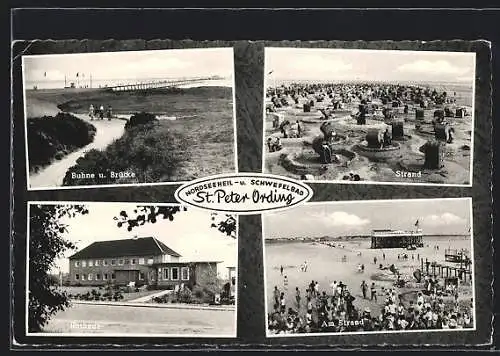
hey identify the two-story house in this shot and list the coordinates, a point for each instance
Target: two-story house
(144, 261)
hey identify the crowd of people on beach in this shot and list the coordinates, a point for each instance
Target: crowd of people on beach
(100, 112)
(333, 309)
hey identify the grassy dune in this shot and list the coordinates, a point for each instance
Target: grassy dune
(199, 143)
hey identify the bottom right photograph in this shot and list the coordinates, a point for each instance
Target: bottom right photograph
(369, 267)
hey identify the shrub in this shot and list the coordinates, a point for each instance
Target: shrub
(141, 118)
(185, 295)
(153, 155)
(52, 137)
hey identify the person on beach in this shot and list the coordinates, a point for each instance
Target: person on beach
(281, 270)
(373, 291)
(383, 255)
(316, 288)
(282, 303)
(375, 260)
(297, 297)
(91, 111)
(364, 289)
(362, 268)
(285, 283)
(276, 294)
(309, 304)
(334, 287)
(305, 266)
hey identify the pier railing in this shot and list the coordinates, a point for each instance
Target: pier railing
(159, 84)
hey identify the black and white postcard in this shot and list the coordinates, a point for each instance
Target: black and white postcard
(123, 269)
(381, 266)
(130, 117)
(369, 116)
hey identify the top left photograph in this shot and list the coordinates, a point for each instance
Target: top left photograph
(127, 118)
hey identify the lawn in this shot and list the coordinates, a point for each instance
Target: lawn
(126, 296)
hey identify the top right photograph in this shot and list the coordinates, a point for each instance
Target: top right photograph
(369, 116)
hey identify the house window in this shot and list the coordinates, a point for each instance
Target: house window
(113, 262)
(84, 276)
(105, 276)
(98, 277)
(90, 277)
(134, 261)
(141, 261)
(175, 273)
(77, 276)
(91, 263)
(104, 262)
(77, 263)
(185, 273)
(120, 262)
(141, 276)
(97, 262)
(165, 273)
(84, 263)
(127, 261)
(151, 261)
(113, 276)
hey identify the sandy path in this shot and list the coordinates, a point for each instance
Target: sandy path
(53, 175)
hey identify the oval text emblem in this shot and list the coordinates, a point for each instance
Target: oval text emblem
(243, 193)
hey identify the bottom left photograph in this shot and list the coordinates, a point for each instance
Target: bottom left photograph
(130, 269)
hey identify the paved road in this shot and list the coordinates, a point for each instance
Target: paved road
(105, 319)
(53, 175)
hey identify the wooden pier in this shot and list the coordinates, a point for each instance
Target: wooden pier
(463, 271)
(159, 84)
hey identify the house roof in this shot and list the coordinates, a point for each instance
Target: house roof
(142, 246)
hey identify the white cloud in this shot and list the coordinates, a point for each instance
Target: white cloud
(341, 218)
(430, 67)
(443, 219)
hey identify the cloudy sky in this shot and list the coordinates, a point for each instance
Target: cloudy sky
(437, 216)
(189, 233)
(131, 64)
(370, 65)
